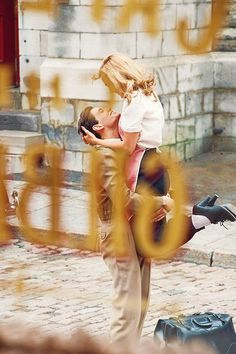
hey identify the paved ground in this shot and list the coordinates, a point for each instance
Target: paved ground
(207, 174)
(66, 291)
(212, 173)
(61, 290)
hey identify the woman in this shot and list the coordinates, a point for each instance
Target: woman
(142, 119)
(140, 125)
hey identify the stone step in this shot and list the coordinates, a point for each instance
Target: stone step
(14, 164)
(228, 33)
(231, 21)
(20, 120)
(226, 46)
(226, 41)
(226, 38)
(18, 141)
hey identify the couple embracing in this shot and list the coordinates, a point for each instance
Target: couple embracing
(137, 130)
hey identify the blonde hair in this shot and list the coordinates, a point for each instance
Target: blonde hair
(124, 76)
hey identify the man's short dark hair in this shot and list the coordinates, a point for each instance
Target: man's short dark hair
(87, 120)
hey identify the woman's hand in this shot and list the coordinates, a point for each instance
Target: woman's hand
(89, 138)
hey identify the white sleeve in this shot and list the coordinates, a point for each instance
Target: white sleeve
(132, 115)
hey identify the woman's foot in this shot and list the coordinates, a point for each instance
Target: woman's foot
(205, 213)
(208, 201)
(216, 213)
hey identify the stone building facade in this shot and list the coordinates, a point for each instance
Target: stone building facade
(197, 91)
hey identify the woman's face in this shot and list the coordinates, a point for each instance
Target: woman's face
(108, 83)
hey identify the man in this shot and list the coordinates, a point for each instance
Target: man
(131, 274)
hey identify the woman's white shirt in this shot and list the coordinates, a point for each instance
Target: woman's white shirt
(144, 115)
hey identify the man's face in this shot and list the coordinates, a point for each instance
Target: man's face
(106, 117)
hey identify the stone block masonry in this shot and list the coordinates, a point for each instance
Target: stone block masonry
(188, 89)
(224, 101)
(196, 91)
(74, 34)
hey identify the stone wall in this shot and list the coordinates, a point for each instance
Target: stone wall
(186, 90)
(224, 101)
(193, 89)
(73, 34)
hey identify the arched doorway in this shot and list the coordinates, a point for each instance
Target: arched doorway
(9, 47)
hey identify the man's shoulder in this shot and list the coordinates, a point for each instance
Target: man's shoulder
(105, 151)
(108, 158)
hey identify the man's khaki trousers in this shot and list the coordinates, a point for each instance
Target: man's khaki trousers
(131, 283)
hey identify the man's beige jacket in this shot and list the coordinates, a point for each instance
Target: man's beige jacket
(110, 190)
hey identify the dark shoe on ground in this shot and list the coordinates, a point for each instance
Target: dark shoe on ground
(205, 201)
(212, 200)
(216, 213)
(208, 201)
(231, 209)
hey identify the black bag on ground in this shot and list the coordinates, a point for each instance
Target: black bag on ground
(215, 329)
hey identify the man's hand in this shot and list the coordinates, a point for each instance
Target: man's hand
(89, 138)
(168, 203)
(159, 215)
(82, 137)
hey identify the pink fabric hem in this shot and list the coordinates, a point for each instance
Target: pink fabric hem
(133, 168)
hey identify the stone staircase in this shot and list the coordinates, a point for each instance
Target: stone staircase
(18, 130)
(226, 41)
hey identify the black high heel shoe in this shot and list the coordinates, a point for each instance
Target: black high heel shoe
(208, 201)
(212, 200)
(216, 213)
(204, 202)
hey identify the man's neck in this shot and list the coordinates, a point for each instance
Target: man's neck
(111, 134)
